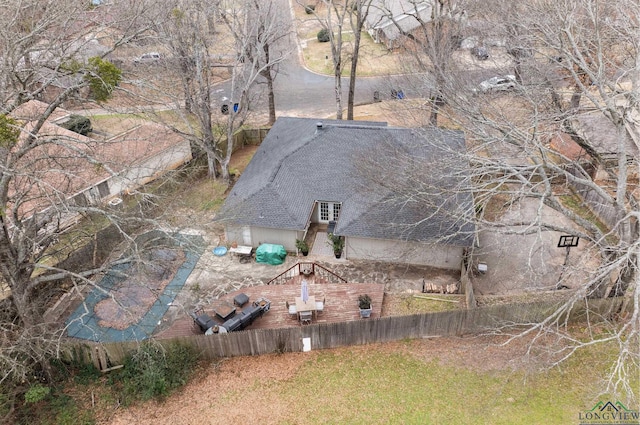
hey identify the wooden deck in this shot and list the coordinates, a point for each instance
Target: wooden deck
(341, 304)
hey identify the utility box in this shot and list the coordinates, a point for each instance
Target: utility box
(116, 204)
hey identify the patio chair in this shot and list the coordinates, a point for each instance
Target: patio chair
(320, 305)
(305, 317)
(291, 308)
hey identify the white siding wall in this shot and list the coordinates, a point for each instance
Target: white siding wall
(234, 234)
(147, 171)
(151, 168)
(442, 256)
(260, 235)
(286, 238)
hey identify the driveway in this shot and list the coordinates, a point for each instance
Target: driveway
(518, 263)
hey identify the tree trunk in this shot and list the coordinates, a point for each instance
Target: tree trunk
(575, 100)
(338, 88)
(269, 77)
(188, 99)
(31, 319)
(354, 63)
(517, 70)
(352, 88)
(271, 98)
(211, 166)
(437, 102)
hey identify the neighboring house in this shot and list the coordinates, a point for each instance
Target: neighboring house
(306, 172)
(92, 170)
(385, 16)
(602, 135)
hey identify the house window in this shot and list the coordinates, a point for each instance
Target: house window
(80, 200)
(324, 211)
(336, 211)
(103, 189)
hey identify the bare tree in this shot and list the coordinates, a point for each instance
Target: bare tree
(332, 19)
(571, 156)
(431, 29)
(357, 19)
(249, 30)
(184, 32)
(45, 53)
(268, 32)
(254, 31)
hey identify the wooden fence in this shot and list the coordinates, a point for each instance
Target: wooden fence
(365, 331)
(249, 136)
(603, 210)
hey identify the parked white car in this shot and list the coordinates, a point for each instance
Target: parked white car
(149, 57)
(505, 82)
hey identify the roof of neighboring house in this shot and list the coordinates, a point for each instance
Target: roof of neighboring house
(601, 134)
(383, 13)
(33, 110)
(563, 144)
(298, 164)
(67, 163)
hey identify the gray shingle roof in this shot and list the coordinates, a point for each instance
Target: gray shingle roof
(385, 14)
(298, 164)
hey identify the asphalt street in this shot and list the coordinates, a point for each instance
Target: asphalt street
(299, 91)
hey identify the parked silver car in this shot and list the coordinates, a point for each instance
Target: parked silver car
(505, 82)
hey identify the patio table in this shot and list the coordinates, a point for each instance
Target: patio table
(310, 305)
(243, 252)
(224, 310)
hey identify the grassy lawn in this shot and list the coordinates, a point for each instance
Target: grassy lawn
(394, 388)
(374, 58)
(386, 387)
(439, 381)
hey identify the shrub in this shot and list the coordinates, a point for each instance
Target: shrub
(154, 372)
(36, 393)
(78, 124)
(103, 78)
(323, 35)
(310, 8)
(9, 131)
(55, 408)
(302, 245)
(66, 411)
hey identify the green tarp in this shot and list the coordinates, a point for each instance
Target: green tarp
(270, 254)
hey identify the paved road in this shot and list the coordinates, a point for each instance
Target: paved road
(300, 92)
